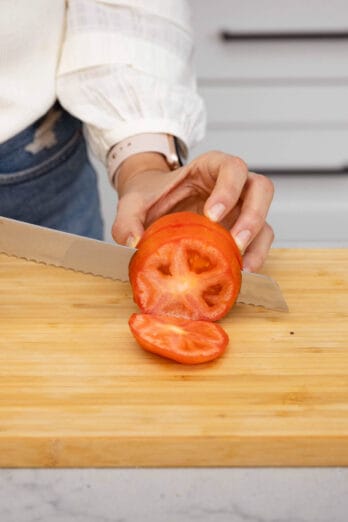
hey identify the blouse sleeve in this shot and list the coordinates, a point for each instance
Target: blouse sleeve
(126, 68)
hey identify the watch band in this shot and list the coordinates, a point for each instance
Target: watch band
(147, 142)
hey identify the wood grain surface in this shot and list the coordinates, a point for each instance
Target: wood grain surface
(77, 391)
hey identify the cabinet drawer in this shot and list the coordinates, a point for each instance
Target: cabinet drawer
(260, 106)
(310, 211)
(284, 148)
(262, 59)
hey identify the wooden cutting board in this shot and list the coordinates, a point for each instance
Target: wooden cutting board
(77, 391)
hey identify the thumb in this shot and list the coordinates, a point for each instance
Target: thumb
(128, 226)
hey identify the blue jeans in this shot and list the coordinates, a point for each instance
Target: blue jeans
(46, 178)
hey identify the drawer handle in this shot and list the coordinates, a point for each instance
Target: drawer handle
(229, 36)
(300, 170)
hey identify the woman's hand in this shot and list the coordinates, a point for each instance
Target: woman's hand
(215, 184)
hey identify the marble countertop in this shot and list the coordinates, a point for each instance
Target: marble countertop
(174, 495)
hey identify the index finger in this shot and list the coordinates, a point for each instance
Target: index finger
(257, 198)
(230, 174)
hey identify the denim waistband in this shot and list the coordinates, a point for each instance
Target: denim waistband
(41, 139)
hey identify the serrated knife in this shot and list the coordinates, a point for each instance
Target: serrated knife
(52, 247)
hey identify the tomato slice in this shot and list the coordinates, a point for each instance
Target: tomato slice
(182, 340)
(184, 219)
(188, 272)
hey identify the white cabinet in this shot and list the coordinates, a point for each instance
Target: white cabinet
(280, 102)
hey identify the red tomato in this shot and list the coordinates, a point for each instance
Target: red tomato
(186, 271)
(183, 219)
(182, 340)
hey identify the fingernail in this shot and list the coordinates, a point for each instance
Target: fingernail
(132, 241)
(216, 211)
(242, 239)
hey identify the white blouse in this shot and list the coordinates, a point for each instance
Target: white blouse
(123, 67)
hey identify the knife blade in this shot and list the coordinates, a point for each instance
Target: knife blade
(91, 256)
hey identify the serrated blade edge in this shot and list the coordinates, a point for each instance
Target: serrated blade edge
(65, 250)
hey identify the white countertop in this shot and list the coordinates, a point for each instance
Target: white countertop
(174, 495)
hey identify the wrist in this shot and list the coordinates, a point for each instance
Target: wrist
(165, 153)
(140, 163)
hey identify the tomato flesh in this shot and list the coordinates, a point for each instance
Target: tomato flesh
(182, 340)
(185, 273)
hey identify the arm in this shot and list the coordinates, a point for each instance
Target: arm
(126, 69)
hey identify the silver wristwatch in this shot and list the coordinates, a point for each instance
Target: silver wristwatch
(170, 147)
